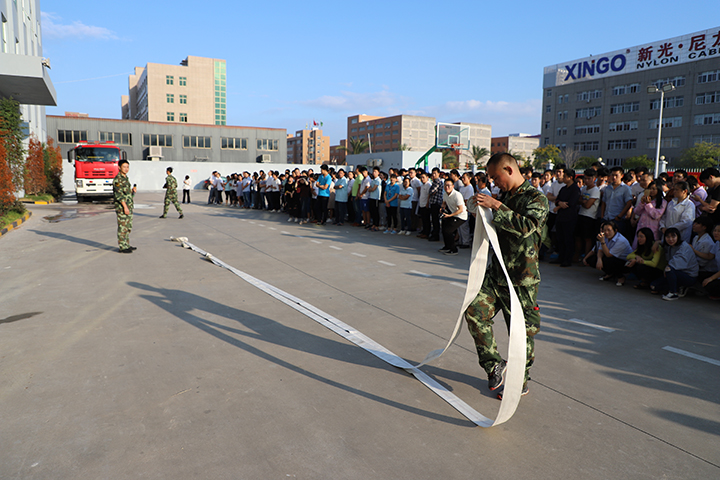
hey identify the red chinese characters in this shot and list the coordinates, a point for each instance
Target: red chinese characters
(697, 43)
(665, 50)
(645, 54)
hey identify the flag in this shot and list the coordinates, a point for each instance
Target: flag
(314, 123)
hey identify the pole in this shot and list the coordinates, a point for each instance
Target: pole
(657, 149)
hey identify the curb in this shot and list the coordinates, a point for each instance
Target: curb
(35, 202)
(15, 224)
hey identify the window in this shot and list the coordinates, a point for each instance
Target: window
(547, 125)
(548, 93)
(170, 116)
(234, 143)
(546, 140)
(583, 130)
(353, 130)
(169, 80)
(626, 144)
(670, 102)
(589, 95)
(623, 126)
(705, 98)
(183, 99)
(586, 146)
(267, 144)
(588, 112)
(667, 142)
(395, 123)
(707, 119)
(387, 125)
(157, 140)
(625, 107)
(72, 136)
(170, 98)
(182, 81)
(114, 137)
(706, 138)
(707, 77)
(672, 122)
(183, 117)
(353, 121)
(677, 81)
(194, 141)
(548, 109)
(361, 129)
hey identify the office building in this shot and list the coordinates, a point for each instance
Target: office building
(172, 142)
(192, 92)
(338, 153)
(409, 132)
(599, 106)
(308, 146)
(24, 72)
(516, 143)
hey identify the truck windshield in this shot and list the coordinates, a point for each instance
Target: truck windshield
(97, 154)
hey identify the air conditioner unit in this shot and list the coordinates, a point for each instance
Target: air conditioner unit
(378, 162)
(264, 158)
(155, 152)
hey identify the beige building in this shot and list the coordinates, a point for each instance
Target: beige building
(192, 92)
(409, 132)
(338, 153)
(518, 143)
(308, 147)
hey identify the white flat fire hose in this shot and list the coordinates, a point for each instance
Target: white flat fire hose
(485, 237)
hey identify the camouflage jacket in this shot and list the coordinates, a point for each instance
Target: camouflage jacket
(122, 192)
(171, 186)
(519, 224)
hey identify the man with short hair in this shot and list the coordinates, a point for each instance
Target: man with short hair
(170, 194)
(436, 194)
(415, 184)
(424, 205)
(341, 197)
(324, 183)
(679, 175)
(711, 178)
(363, 195)
(519, 218)
(454, 214)
(374, 193)
(616, 200)
(123, 200)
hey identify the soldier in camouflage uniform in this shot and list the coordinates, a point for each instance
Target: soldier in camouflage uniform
(123, 199)
(518, 217)
(171, 194)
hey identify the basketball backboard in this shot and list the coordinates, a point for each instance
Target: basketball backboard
(452, 135)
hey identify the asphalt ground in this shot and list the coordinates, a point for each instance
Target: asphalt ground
(160, 364)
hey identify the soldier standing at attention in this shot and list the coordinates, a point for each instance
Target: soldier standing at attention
(171, 194)
(123, 199)
(519, 216)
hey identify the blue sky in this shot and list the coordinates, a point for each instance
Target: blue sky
(289, 63)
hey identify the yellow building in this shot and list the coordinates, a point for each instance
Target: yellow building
(308, 147)
(192, 92)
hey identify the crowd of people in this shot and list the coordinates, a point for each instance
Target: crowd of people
(662, 232)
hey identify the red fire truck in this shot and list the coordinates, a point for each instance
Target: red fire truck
(96, 165)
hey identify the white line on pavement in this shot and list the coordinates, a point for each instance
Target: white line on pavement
(692, 355)
(457, 284)
(358, 254)
(588, 324)
(336, 248)
(273, 228)
(386, 263)
(316, 241)
(284, 232)
(420, 273)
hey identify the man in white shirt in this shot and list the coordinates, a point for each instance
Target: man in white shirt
(415, 184)
(454, 214)
(424, 205)
(467, 191)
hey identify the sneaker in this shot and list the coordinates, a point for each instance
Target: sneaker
(393, 232)
(181, 216)
(443, 250)
(401, 232)
(670, 297)
(125, 250)
(297, 220)
(523, 392)
(451, 253)
(290, 219)
(407, 233)
(497, 377)
(682, 291)
(386, 231)
(163, 216)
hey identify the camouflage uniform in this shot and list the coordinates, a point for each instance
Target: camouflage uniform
(519, 223)
(171, 195)
(122, 192)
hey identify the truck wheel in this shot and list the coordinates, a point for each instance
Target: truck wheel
(81, 199)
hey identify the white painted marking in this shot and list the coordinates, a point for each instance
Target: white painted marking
(316, 241)
(253, 223)
(386, 263)
(588, 324)
(259, 225)
(458, 284)
(284, 232)
(273, 228)
(420, 273)
(709, 360)
(336, 248)
(358, 254)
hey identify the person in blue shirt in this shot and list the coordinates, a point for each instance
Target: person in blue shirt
(406, 206)
(324, 183)
(341, 197)
(617, 199)
(374, 194)
(610, 252)
(392, 192)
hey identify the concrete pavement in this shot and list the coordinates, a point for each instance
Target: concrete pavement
(159, 364)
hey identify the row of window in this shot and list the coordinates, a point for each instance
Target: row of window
(707, 119)
(626, 144)
(379, 125)
(170, 116)
(170, 80)
(707, 77)
(589, 95)
(625, 108)
(670, 102)
(587, 146)
(625, 89)
(170, 98)
(705, 98)
(667, 142)
(77, 136)
(588, 112)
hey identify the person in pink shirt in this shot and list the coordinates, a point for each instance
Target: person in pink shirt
(650, 209)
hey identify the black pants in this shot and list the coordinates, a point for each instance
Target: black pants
(340, 211)
(322, 203)
(425, 219)
(435, 221)
(646, 274)
(186, 194)
(392, 218)
(375, 212)
(611, 265)
(449, 227)
(566, 241)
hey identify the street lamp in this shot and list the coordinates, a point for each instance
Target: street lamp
(652, 89)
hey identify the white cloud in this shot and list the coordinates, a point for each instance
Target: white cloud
(52, 27)
(504, 117)
(353, 102)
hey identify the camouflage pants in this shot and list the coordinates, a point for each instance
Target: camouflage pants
(479, 317)
(124, 227)
(171, 199)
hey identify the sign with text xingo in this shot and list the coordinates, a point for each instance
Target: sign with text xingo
(688, 48)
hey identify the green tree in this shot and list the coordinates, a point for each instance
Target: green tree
(478, 153)
(584, 162)
(449, 159)
(702, 155)
(11, 133)
(357, 146)
(404, 148)
(639, 161)
(543, 155)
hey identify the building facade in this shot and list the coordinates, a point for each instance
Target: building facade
(308, 146)
(173, 142)
(409, 132)
(600, 106)
(518, 143)
(193, 92)
(24, 73)
(338, 153)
